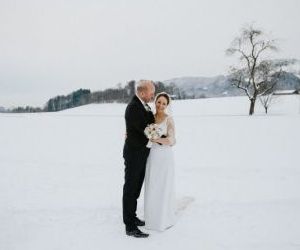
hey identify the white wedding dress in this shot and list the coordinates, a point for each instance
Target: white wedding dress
(159, 195)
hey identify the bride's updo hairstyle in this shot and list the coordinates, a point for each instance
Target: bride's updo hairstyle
(164, 94)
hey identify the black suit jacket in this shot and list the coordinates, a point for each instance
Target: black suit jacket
(136, 118)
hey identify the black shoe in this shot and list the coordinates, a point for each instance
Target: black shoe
(139, 223)
(136, 233)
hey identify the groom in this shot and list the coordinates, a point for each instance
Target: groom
(137, 116)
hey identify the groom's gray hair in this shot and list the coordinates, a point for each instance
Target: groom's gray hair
(142, 85)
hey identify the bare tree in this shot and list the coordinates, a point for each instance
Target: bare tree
(255, 75)
(267, 100)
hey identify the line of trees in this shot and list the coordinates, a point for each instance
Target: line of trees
(85, 96)
(75, 99)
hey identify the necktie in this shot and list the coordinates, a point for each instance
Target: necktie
(147, 107)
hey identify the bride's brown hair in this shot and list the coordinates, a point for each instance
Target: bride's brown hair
(164, 94)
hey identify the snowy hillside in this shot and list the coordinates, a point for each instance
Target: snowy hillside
(237, 178)
(219, 86)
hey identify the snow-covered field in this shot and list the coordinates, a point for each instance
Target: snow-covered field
(237, 178)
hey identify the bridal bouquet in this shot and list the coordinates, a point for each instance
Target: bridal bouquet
(153, 131)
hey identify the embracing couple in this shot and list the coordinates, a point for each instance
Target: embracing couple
(149, 158)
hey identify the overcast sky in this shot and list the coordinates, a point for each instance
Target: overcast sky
(53, 47)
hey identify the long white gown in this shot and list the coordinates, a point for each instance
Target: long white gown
(159, 198)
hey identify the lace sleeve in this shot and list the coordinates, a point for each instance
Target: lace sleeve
(171, 131)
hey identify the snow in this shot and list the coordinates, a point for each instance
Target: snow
(237, 178)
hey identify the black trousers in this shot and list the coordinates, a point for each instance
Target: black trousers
(135, 166)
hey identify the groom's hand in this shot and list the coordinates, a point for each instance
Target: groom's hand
(158, 140)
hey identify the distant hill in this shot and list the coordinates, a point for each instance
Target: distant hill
(182, 88)
(2, 109)
(219, 86)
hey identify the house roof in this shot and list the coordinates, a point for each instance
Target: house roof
(286, 92)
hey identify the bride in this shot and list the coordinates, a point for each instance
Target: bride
(159, 179)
